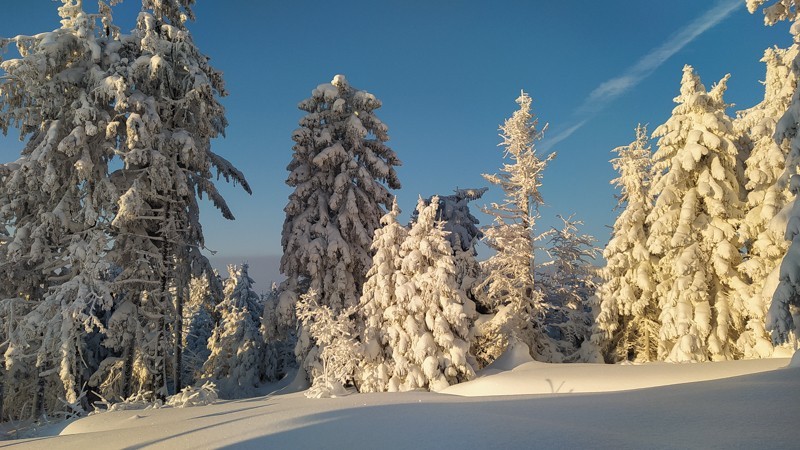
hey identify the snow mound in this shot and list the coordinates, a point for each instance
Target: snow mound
(795, 362)
(515, 355)
(542, 378)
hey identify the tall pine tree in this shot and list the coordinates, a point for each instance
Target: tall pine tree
(783, 316)
(341, 171)
(693, 227)
(767, 195)
(508, 288)
(626, 325)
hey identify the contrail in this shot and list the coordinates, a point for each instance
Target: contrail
(610, 90)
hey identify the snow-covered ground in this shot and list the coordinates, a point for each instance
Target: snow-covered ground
(514, 404)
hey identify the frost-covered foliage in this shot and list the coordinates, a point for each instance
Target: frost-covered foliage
(378, 301)
(762, 231)
(568, 288)
(278, 335)
(459, 222)
(236, 360)
(341, 171)
(336, 339)
(693, 227)
(777, 11)
(167, 112)
(784, 311)
(206, 394)
(429, 325)
(339, 168)
(55, 201)
(508, 287)
(463, 234)
(104, 258)
(198, 318)
(626, 325)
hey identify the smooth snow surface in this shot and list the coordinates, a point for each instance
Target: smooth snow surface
(758, 410)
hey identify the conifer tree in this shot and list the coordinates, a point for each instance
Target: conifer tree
(767, 194)
(429, 331)
(338, 169)
(198, 327)
(463, 234)
(508, 289)
(378, 303)
(626, 325)
(693, 227)
(783, 315)
(341, 171)
(55, 201)
(568, 288)
(167, 111)
(236, 360)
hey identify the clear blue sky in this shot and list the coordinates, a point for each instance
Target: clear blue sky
(448, 73)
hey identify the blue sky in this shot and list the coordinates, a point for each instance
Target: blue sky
(448, 73)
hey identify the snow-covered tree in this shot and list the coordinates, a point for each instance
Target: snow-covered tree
(378, 300)
(693, 227)
(341, 171)
(463, 234)
(236, 360)
(783, 316)
(568, 287)
(429, 326)
(279, 331)
(777, 11)
(55, 203)
(762, 231)
(339, 168)
(508, 287)
(167, 111)
(335, 336)
(198, 327)
(626, 325)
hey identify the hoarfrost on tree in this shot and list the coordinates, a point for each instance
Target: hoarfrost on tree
(236, 346)
(627, 324)
(693, 227)
(341, 172)
(429, 335)
(508, 289)
(768, 195)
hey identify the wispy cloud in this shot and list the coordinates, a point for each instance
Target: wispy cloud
(609, 90)
(550, 142)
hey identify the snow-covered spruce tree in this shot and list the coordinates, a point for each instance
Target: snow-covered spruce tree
(55, 203)
(340, 171)
(463, 234)
(167, 112)
(762, 231)
(279, 356)
(335, 336)
(508, 287)
(783, 316)
(378, 301)
(429, 327)
(236, 362)
(198, 327)
(693, 227)
(568, 289)
(626, 326)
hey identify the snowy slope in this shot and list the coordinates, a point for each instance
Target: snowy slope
(757, 408)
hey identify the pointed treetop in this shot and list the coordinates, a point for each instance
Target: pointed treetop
(690, 84)
(719, 89)
(339, 81)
